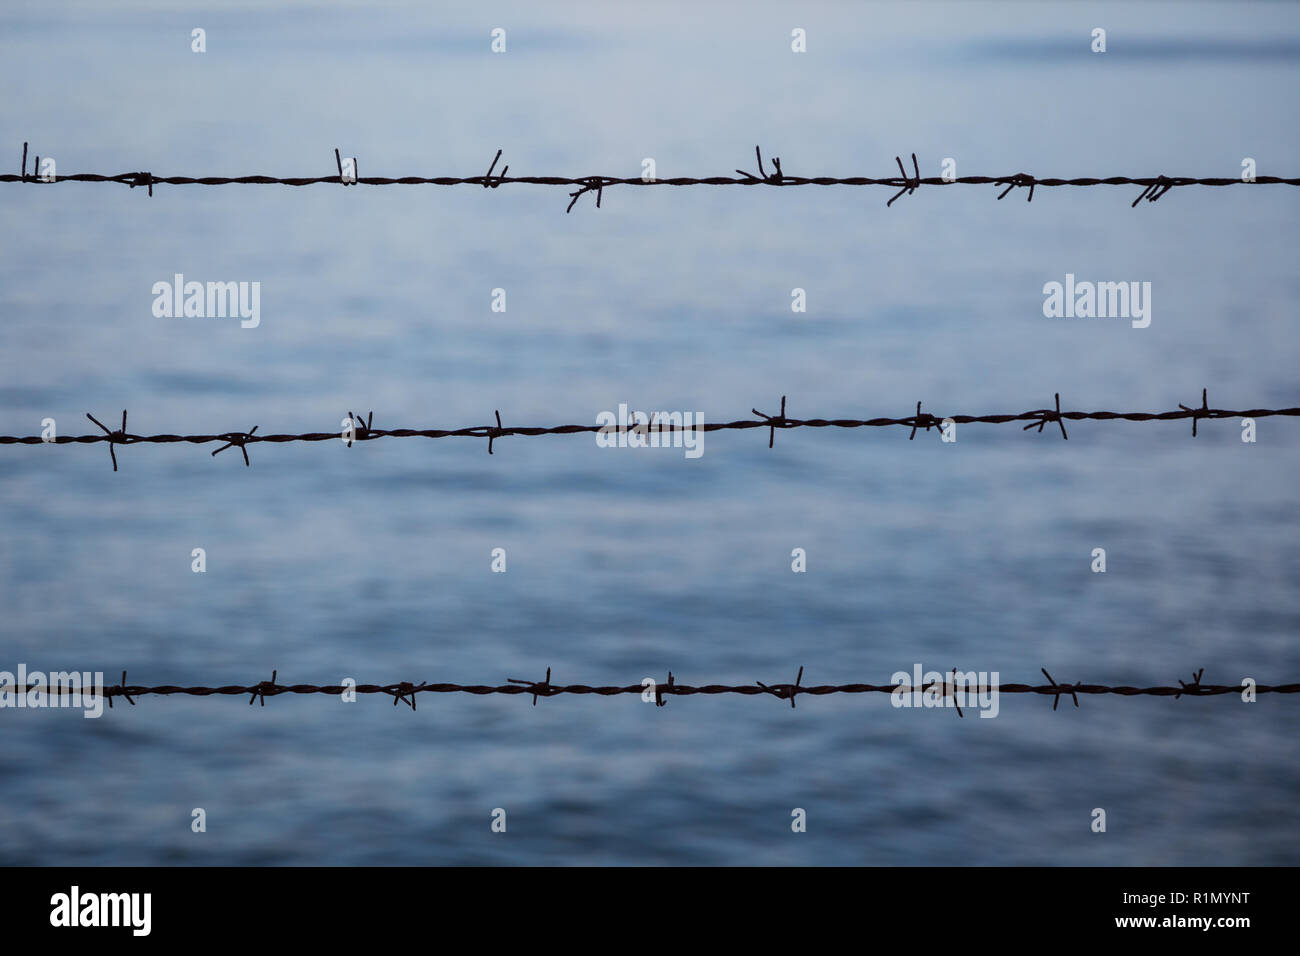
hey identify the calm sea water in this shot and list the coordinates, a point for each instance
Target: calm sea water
(373, 563)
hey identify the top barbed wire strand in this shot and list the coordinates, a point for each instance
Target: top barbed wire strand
(1153, 187)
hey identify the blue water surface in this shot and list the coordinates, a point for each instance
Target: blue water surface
(325, 562)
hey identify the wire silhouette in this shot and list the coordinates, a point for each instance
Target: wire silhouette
(360, 431)
(1153, 187)
(406, 691)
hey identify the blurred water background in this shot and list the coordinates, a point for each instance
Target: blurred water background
(373, 563)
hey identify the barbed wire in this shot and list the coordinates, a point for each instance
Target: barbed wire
(1153, 187)
(361, 431)
(406, 691)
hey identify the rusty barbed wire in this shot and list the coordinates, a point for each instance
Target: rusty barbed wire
(406, 691)
(1153, 187)
(364, 430)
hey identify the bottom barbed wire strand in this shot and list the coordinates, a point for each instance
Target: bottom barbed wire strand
(405, 691)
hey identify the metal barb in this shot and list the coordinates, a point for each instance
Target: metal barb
(544, 688)
(1045, 415)
(405, 692)
(142, 179)
(121, 689)
(237, 440)
(592, 182)
(925, 421)
(114, 437)
(1194, 688)
(776, 179)
(784, 691)
(659, 692)
(910, 184)
(1155, 190)
(360, 430)
(775, 422)
(488, 182)
(1062, 689)
(1019, 179)
(260, 691)
(356, 168)
(1202, 412)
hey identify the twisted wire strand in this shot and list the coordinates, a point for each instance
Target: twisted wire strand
(406, 691)
(363, 430)
(1153, 187)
